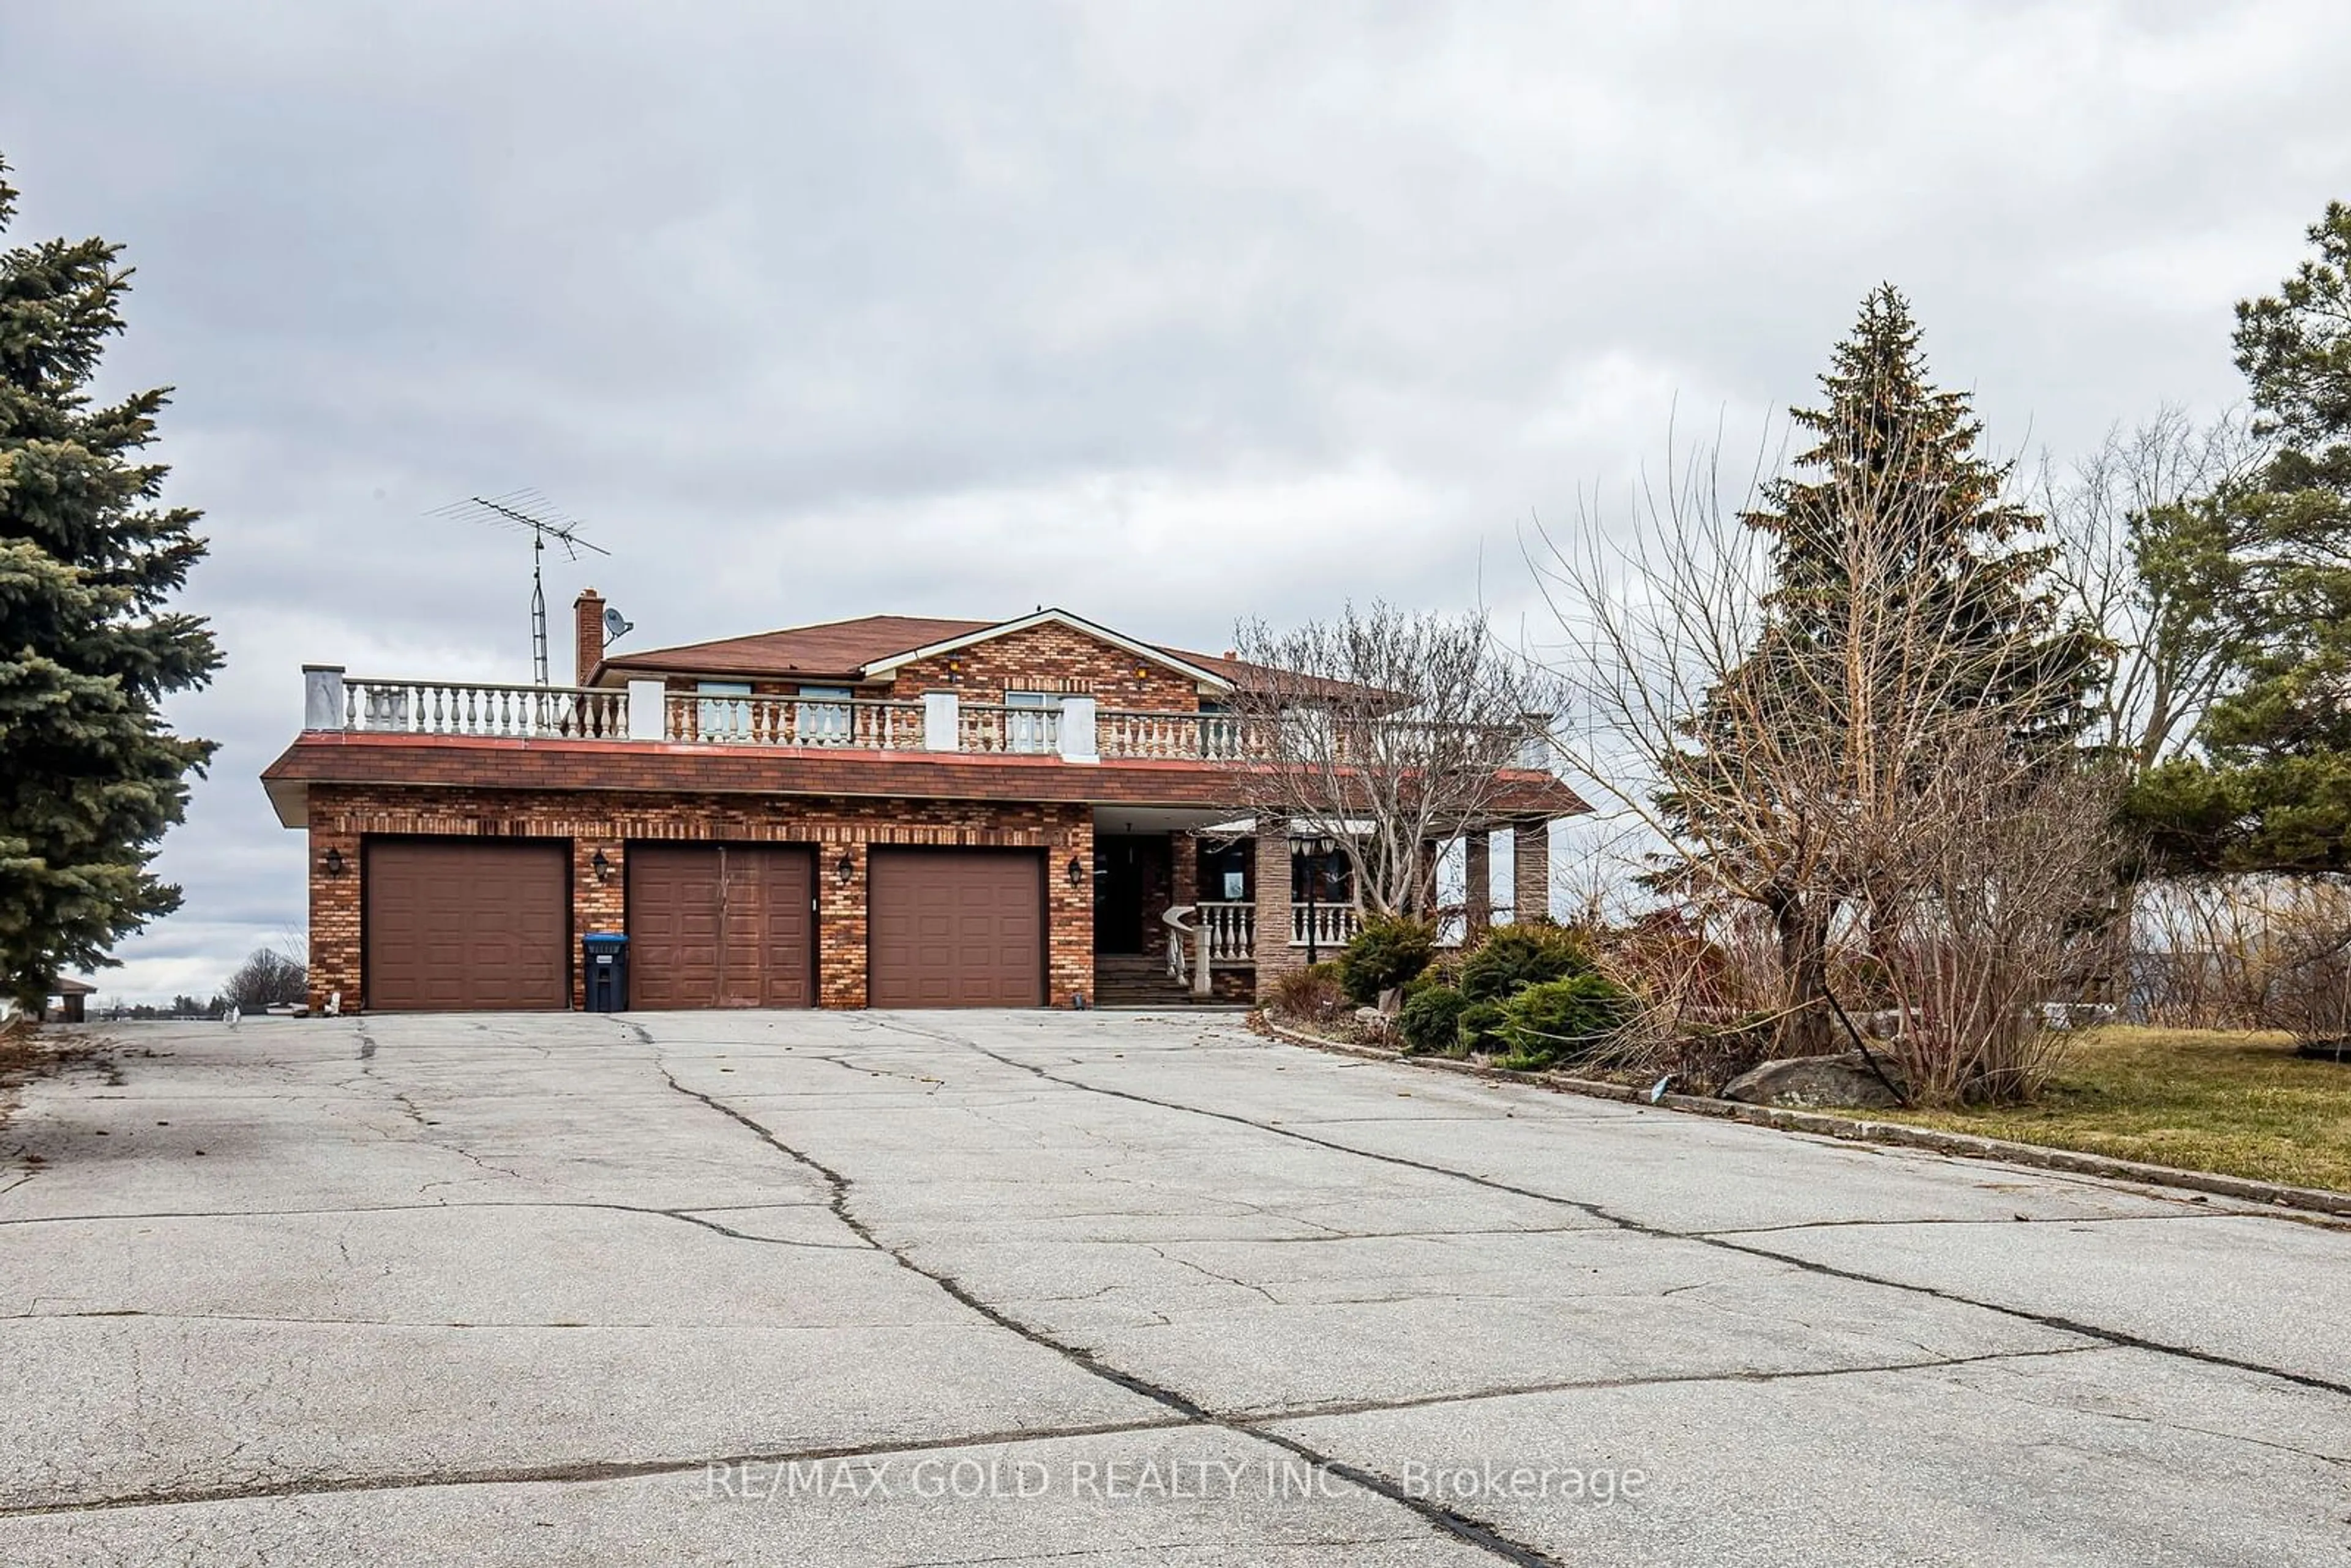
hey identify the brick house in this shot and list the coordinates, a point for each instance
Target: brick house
(888, 811)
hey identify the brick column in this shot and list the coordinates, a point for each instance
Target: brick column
(595, 905)
(334, 920)
(1529, 872)
(1184, 868)
(1477, 883)
(841, 926)
(1070, 912)
(1275, 956)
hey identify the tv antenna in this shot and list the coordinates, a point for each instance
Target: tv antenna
(527, 511)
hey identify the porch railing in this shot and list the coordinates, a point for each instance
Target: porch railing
(1231, 927)
(1231, 930)
(1331, 925)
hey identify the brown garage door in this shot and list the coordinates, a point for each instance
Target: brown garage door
(956, 928)
(461, 924)
(720, 925)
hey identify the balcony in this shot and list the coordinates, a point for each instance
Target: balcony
(1078, 730)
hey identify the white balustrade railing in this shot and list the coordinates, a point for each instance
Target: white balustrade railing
(1181, 935)
(478, 708)
(999, 728)
(1196, 737)
(737, 720)
(1075, 729)
(1385, 743)
(1232, 931)
(1326, 926)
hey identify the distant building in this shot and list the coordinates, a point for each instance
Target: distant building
(68, 1001)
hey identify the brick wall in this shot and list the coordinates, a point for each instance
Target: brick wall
(1051, 658)
(595, 905)
(1184, 868)
(1069, 911)
(334, 916)
(840, 925)
(341, 816)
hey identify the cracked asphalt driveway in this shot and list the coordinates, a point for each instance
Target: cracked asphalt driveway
(1098, 1288)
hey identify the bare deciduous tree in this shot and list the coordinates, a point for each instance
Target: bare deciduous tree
(1387, 729)
(1863, 771)
(2146, 540)
(269, 977)
(2004, 882)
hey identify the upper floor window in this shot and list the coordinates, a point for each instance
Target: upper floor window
(1033, 721)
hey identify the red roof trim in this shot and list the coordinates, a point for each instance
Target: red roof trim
(471, 762)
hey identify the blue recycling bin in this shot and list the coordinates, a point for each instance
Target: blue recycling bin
(605, 955)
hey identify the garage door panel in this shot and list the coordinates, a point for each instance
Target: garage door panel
(713, 925)
(956, 928)
(672, 925)
(463, 925)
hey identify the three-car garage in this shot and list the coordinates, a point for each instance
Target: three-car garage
(453, 924)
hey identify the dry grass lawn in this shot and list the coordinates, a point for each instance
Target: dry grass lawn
(18, 1058)
(2242, 1105)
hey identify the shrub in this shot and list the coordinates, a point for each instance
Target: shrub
(1311, 994)
(1556, 1020)
(1431, 1018)
(1385, 953)
(1443, 970)
(1481, 1026)
(1516, 955)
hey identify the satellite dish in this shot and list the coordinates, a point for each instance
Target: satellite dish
(615, 626)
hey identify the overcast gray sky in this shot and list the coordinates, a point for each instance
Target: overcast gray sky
(1166, 314)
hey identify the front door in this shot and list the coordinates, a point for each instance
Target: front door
(1130, 878)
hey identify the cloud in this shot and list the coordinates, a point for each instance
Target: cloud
(1169, 314)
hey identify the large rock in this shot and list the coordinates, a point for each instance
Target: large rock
(1817, 1081)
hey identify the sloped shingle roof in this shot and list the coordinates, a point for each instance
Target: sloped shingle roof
(841, 650)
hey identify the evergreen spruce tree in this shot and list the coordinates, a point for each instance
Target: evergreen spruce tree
(2272, 791)
(1895, 476)
(89, 775)
(1957, 613)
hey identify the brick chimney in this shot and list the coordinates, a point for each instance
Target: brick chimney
(588, 631)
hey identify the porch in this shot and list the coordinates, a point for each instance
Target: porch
(1183, 904)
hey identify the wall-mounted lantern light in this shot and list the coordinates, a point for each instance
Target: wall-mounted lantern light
(601, 866)
(844, 871)
(333, 864)
(1077, 872)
